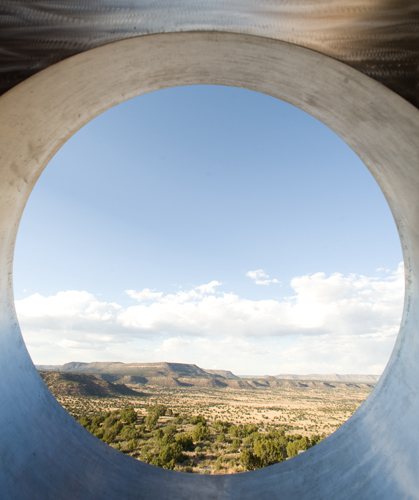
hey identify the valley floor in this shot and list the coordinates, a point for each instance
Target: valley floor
(306, 410)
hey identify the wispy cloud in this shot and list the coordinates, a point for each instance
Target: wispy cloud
(144, 295)
(260, 277)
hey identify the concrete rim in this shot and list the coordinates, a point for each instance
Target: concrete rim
(45, 453)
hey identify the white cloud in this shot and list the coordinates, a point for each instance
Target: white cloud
(145, 294)
(71, 309)
(328, 353)
(208, 288)
(260, 277)
(330, 322)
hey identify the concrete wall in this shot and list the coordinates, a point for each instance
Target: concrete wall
(44, 453)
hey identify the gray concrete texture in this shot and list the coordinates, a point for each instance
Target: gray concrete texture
(45, 454)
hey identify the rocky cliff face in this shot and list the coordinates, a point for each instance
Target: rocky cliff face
(182, 375)
(76, 384)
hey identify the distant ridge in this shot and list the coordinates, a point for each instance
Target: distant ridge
(190, 375)
(222, 373)
(82, 384)
(162, 369)
(332, 377)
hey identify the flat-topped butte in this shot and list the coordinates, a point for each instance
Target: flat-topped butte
(183, 375)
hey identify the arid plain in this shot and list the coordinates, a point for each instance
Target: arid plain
(303, 406)
(317, 409)
(237, 412)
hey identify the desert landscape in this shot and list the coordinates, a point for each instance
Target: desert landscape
(212, 421)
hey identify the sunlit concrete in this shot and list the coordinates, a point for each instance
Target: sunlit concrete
(45, 454)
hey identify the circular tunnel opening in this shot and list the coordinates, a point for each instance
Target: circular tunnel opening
(141, 279)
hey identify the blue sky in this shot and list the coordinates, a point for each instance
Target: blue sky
(211, 225)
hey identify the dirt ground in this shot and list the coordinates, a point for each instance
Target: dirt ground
(304, 410)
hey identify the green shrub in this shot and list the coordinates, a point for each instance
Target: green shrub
(170, 430)
(109, 436)
(99, 433)
(129, 432)
(218, 463)
(154, 412)
(315, 438)
(169, 455)
(158, 434)
(221, 426)
(185, 441)
(98, 420)
(84, 421)
(234, 431)
(128, 415)
(249, 461)
(221, 438)
(117, 427)
(167, 439)
(132, 444)
(235, 445)
(200, 432)
(292, 449)
(295, 446)
(159, 409)
(268, 451)
(198, 419)
(151, 420)
(248, 429)
(110, 421)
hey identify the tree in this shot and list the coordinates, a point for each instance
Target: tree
(84, 421)
(221, 438)
(128, 415)
(158, 434)
(132, 444)
(235, 431)
(218, 463)
(154, 412)
(110, 435)
(151, 420)
(129, 432)
(159, 409)
(99, 432)
(200, 432)
(98, 420)
(315, 438)
(248, 430)
(185, 441)
(268, 451)
(198, 419)
(170, 430)
(110, 421)
(304, 443)
(169, 455)
(295, 446)
(235, 445)
(249, 461)
(220, 426)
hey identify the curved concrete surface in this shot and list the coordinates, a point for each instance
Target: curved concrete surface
(378, 37)
(45, 454)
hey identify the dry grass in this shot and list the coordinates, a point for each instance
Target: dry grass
(303, 410)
